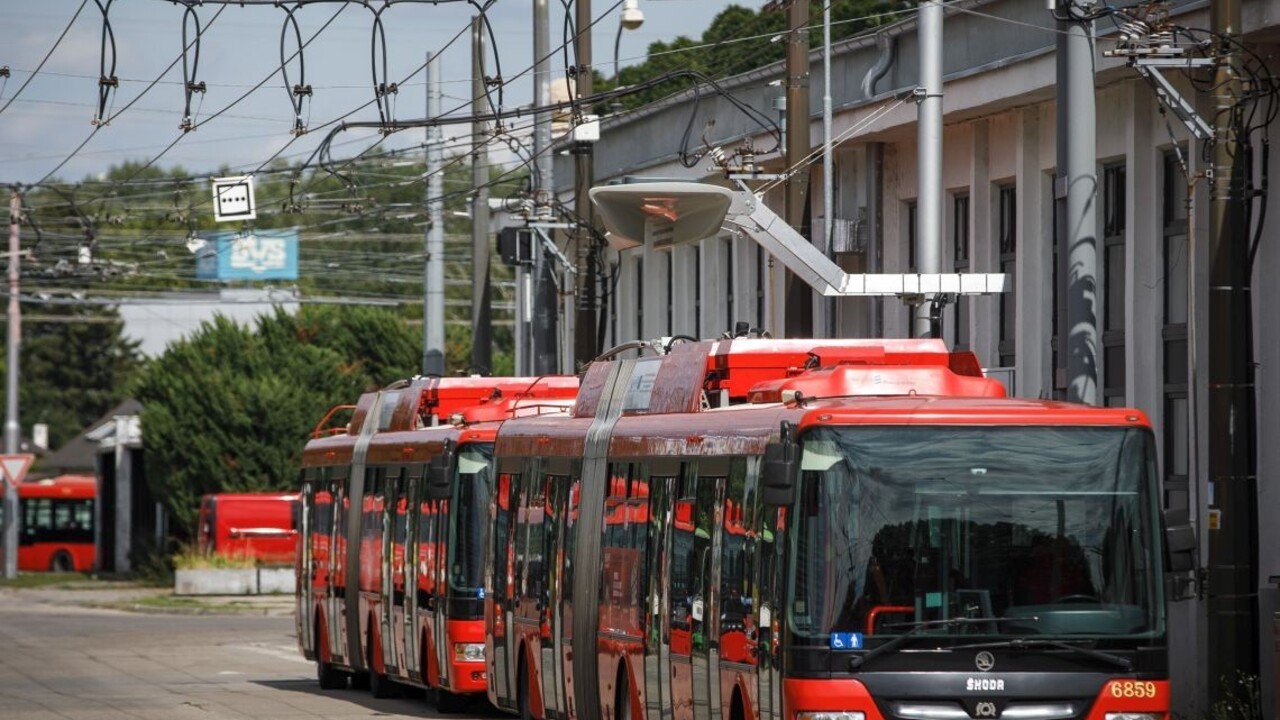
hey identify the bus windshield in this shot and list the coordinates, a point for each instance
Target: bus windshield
(963, 531)
(469, 520)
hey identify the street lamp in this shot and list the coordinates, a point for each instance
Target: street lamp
(632, 18)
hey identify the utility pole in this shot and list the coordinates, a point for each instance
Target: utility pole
(929, 157)
(481, 322)
(1233, 627)
(12, 430)
(433, 273)
(797, 183)
(543, 345)
(1077, 184)
(828, 167)
(586, 254)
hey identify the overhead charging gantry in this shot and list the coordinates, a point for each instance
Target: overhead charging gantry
(665, 214)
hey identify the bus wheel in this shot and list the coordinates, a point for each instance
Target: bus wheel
(522, 693)
(330, 677)
(451, 702)
(379, 684)
(62, 562)
(622, 705)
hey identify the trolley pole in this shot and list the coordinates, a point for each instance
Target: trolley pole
(481, 321)
(1232, 592)
(12, 429)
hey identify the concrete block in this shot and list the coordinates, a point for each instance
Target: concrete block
(216, 582)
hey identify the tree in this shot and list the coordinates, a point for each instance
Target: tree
(76, 364)
(230, 408)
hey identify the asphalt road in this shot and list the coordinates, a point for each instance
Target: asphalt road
(59, 659)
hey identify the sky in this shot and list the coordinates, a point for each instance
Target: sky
(241, 47)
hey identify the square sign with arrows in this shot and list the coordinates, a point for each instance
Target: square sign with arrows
(233, 198)
(14, 467)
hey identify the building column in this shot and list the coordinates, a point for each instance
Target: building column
(1144, 259)
(984, 248)
(1033, 267)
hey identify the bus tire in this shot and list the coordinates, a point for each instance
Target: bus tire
(62, 562)
(380, 685)
(451, 702)
(329, 677)
(622, 701)
(522, 693)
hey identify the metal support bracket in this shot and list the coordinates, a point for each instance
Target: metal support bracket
(550, 247)
(1150, 65)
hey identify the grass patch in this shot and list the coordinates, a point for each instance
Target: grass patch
(189, 557)
(184, 604)
(27, 580)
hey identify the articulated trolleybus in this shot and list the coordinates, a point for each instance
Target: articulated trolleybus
(393, 525)
(824, 530)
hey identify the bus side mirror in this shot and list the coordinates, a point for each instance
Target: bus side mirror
(780, 468)
(440, 472)
(1179, 542)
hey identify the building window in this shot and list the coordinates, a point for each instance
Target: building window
(639, 297)
(697, 291)
(1113, 272)
(960, 244)
(1177, 419)
(1056, 341)
(671, 298)
(727, 246)
(911, 259)
(1008, 237)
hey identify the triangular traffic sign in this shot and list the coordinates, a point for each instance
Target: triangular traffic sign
(15, 467)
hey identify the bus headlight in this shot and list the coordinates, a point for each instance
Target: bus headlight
(1134, 716)
(835, 715)
(468, 652)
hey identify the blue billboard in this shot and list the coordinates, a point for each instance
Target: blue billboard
(249, 255)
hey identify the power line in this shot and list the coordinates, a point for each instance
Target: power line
(46, 56)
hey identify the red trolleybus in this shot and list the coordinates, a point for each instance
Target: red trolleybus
(393, 526)
(57, 523)
(825, 530)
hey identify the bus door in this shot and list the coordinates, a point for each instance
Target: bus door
(663, 476)
(529, 571)
(501, 545)
(767, 611)
(391, 604)
(556, 492)
(737, 618)
(335, 600)
(306, 571)
(407, 534)
(692, 602)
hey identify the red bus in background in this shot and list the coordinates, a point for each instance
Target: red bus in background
(394, 523)
(57, 523)
(260, 526)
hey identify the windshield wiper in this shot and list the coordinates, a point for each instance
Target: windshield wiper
(1018, 643)
(857, 661)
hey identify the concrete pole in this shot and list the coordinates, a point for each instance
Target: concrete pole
(1233, 573)
(929, 158)
(828, 167)
(433, 293)
(543, 332)
(797, 147)
(1078, 180)
(585, 343)
(481, 345)
(12, 430)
